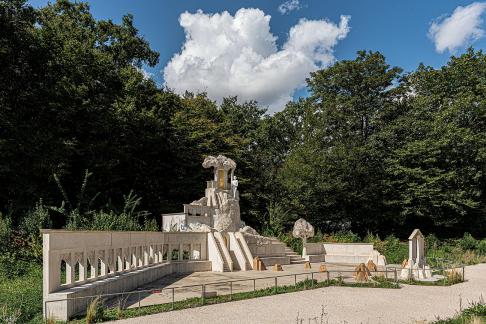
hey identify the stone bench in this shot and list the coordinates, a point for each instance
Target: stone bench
(345, 253)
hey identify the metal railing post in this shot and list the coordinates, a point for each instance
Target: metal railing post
(312, 279)
(254, 285)
(328, 279)
(275, 285)
(173, 298)
(203, 293)
(463, 273)
(295, 280)
(396, 277)
(231, 290)
(139, 300)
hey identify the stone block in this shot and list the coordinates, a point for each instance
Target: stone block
(371, 266)
(361, 273)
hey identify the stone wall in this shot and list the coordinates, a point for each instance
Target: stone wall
(109, 261)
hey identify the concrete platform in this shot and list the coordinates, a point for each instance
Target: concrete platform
(217, 282)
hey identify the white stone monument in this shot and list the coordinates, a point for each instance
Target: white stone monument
(219, 209)
(416, 267)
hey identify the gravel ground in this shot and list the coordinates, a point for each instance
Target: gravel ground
(341, 305)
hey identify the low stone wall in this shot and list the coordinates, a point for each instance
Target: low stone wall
(77, 261)
(264, 247)
(346, 253)
(64, 304)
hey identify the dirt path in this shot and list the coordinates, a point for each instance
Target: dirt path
(342, 305)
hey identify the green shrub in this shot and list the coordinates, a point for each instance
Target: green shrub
(467, 242)
(342, 237)
(378, 244)
(21, 289)
(294, 243)
(394, 250)
(481, 247)
(5, 232)
(432, 242)
(95, 312)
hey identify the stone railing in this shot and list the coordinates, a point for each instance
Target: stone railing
(198, 210)
(73, 258)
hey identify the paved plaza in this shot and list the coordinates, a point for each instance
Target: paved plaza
(341, 305)
(190, 285)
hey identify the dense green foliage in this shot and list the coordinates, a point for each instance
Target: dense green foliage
(372, 149)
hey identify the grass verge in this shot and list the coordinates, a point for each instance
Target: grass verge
(117, 313)
(475, 314)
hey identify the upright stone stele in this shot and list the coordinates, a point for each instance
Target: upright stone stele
(416, 267)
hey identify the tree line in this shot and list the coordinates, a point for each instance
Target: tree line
(371, 149)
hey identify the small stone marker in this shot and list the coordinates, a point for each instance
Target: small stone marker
(307, 265)
(371, 266)
(404, 263)
(277, 267)
(261, 266)
(322, 268)
(361, 273)
(255, 263)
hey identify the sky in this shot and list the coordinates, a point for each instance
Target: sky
(265, 49)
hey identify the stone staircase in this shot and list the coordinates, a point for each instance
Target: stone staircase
(294, 257)
(226, 267)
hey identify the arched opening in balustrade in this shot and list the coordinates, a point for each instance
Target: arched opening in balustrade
(63, 272)
(118, 265)
(126, 264)
(89, 270)
(101, 267)
(77, 271)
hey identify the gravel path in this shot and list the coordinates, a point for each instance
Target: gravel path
(342, 305)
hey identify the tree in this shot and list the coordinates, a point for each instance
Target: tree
(333, 173)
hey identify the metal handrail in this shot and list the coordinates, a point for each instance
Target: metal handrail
(203, 286)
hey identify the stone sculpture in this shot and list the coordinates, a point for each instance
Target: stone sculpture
(307, 265)
(303, 229)
(234, 185)
(198, 227)
(227, 214)
(322, 268)
(277, 267)
(362, 273)
(371, 266)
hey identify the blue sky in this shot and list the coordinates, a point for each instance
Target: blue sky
(398, 29)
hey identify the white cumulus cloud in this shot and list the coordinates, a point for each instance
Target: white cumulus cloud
(289, 6)
(227, 55)
(459, 29)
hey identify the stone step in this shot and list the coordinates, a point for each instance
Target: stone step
(298, 262)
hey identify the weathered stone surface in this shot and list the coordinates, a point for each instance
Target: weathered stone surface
(198, 227)
(248, 230)
(258, 264)
(371, 266)
(303, 229)
(322, 268)
(404, 263)
(255, 262)
(261, 266)
(220, 161)
(307, 265)
(277, 267)
(361, 273)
